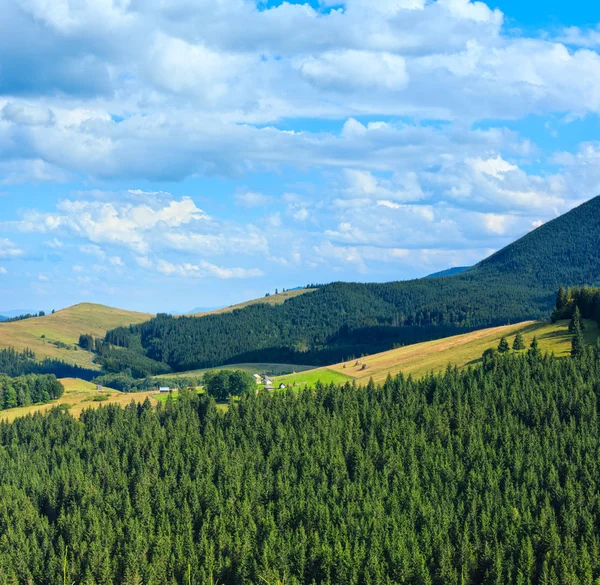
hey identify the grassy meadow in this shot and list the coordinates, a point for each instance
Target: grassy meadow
(434, 356)
(65, 326)
(269, 369)
(78, 396)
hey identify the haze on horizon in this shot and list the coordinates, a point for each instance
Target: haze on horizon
(163, 159)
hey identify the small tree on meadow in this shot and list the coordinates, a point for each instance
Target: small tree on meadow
(577, 342)
(576, 322)
(519, 342)
(503, 346)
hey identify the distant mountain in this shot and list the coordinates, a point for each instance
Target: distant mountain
(10, 313)
(197, 310)
(449, 272)
(3, 318)
(340, 320)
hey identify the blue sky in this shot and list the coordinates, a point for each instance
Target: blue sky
(162, 159)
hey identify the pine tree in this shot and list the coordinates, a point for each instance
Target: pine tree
(534, 348)
(577, 342)
(561, 299)
(576, 322)
(519, 342)
(503, 346)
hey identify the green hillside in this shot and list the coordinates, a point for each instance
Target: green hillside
(342, 320)
(428, 357)
(55, 336)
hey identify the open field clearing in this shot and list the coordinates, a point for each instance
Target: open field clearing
(269, 369)
(78, 396)
(65, 327)
(277, 299)
(434, 356)
(311, 377)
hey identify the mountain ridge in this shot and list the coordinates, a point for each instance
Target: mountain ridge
(341, 320)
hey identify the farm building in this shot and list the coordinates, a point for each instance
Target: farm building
(267, 380)
(164, 389)
(257, 378)
(269, 386)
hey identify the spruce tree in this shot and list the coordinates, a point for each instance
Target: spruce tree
(534, 348)
(561, 299)
(577, 342)
(576, 322)
(519, 342)
(503, 346)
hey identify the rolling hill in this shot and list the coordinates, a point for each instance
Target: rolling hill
(276, 299)
(463, 350)
(56, 335)
(79, 395)
(341, 320)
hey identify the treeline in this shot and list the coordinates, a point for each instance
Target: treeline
(18, 363)
(338, 320)
(485, 476)
(586, 299)
(131, 362)
(23, 317)
(125, 383)
(30, 389)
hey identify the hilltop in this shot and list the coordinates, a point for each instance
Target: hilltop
(275, 299)
(341, 320)
(56, 335)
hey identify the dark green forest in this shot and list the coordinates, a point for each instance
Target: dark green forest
(342, 320)
(586, 299)
(485, 476)
(19, 363)
(25, 390)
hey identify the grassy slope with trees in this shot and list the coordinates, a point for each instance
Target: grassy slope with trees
(78, 396)
(55, 336)
(341, 320)
(463, 350)
(482, 476)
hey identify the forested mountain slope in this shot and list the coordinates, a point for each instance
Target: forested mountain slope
(341, 320)
(483, 476)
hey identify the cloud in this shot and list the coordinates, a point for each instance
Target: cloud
(252, 199)
(26, 115)
(201, 269)
(118, 223)
(343, 70)
(3, 270)
(9, 249)
(576, 36)
(496, 167)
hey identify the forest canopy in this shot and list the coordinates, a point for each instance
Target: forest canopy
(482, 476)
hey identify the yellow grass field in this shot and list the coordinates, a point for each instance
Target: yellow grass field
(78, 396)
(460, 350)
(277, 299)
(66, 326)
